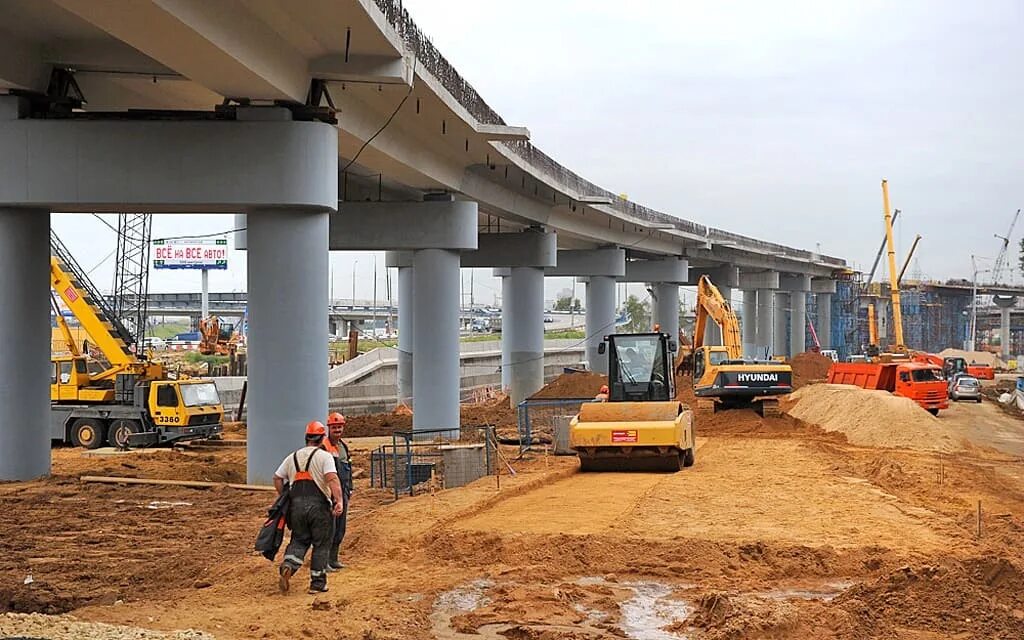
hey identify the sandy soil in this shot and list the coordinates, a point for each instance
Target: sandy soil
(780, 530)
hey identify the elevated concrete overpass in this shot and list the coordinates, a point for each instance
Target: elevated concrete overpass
(334, 126)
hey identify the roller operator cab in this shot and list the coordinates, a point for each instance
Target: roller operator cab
(641, 427)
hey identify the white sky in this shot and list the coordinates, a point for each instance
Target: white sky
(776, 120)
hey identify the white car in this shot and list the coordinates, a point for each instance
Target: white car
(155, 343)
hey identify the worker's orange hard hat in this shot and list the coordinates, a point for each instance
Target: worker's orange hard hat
(604, 388)
(315, 428)
(335, 418)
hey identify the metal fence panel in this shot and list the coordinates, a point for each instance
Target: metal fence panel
(448, 457)
(536, 418)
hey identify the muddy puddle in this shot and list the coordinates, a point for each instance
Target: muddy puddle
(589, 607)
(639, 611)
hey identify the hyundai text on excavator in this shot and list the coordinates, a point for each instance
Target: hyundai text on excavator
(641, 427)
(126, 400)
(722, 378)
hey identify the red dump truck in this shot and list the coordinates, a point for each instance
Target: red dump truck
(919, 381)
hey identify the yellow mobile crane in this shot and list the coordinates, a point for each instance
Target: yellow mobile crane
(127, 400)
(722, 378)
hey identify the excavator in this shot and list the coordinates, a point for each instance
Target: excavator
(640, 427)
(722, 378)
(217, 337)
(126, 400)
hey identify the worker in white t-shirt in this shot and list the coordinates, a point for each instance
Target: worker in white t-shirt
(315, 500)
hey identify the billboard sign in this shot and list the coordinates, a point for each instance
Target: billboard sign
(192, 253)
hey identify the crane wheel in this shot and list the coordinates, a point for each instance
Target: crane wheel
(89, 433)
(120, 432)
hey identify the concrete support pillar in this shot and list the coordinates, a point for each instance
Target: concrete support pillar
(522, 332)
(780, 346)
(824, 326)
(436, 339)
(798, 322)
(287, 272)
(406, 339)
(24, 325)
(506, 318)
(1004, 304)
(1004, 333)
(666, 308)
(765, 301)
(749, 328)
(600, 318)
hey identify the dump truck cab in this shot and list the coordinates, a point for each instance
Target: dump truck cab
(640, 427)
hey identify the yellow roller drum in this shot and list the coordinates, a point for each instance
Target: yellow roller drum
(629, 411)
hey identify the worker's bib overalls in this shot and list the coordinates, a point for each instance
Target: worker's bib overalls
(309, 517)
(344, 465)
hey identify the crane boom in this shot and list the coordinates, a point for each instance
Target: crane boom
(894, 285)
(997, 268)
(712, 305)
(910, 254)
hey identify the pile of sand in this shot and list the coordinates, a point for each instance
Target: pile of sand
(580, 384)
(809, 367)
(975, 357)
(870, 418)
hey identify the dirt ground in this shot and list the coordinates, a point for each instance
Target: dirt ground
(780, 530)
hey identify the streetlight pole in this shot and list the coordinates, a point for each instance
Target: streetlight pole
(352, 320)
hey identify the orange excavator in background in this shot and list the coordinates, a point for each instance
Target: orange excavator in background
(217, 337)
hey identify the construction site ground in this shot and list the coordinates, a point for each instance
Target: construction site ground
(780, 530)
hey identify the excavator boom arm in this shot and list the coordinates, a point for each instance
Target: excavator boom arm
(711, 305)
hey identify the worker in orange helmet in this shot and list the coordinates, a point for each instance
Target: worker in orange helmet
(334, 445)
(311, 479)
(602, 396)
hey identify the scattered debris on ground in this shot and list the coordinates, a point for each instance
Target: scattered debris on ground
(69, 628)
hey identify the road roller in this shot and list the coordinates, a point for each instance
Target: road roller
(638, 425)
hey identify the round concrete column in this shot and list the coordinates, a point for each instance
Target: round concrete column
(823, 301)
(287, 260)
(436, 339)
(25, 367)
(749, 328)
(779, 342)
(600, 318)
(1004, 304)
(523, 335)
(666, 308)
(798, 322)
(406, 340)
(765, 302)
(507, 302)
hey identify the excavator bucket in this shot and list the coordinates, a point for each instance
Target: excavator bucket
(633, 436)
